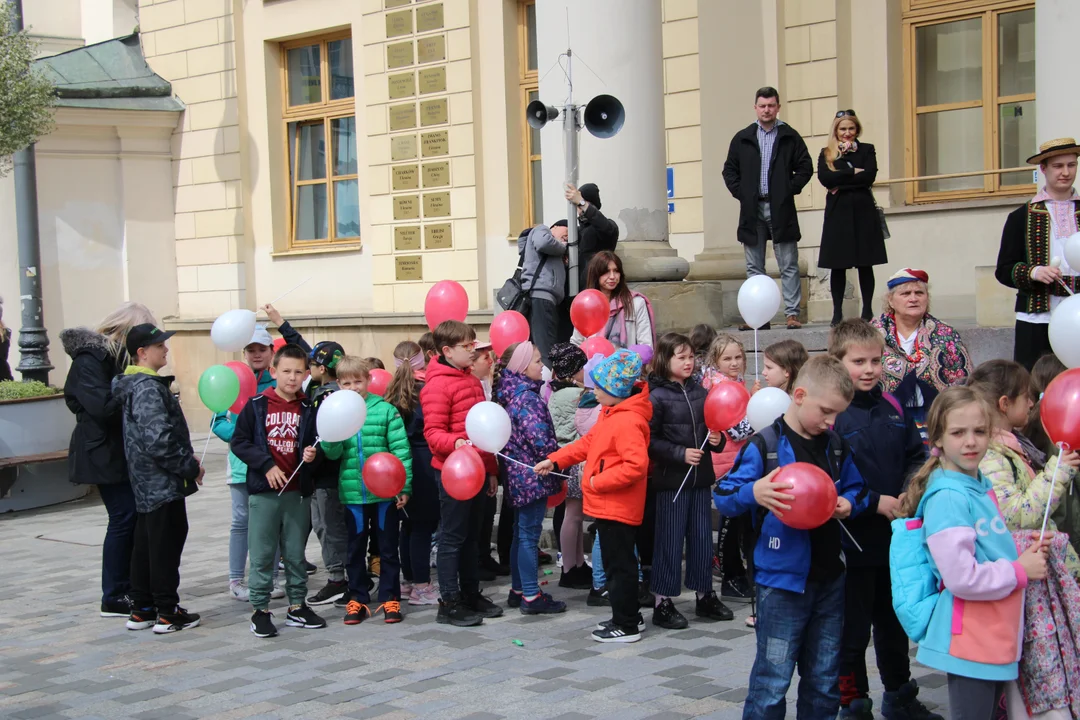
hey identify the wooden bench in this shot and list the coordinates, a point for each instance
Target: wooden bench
(14, 462)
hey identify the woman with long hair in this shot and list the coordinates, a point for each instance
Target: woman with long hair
(631, 318)
(851, 234)
(96, 455)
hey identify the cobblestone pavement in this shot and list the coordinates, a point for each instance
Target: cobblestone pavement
(58, 659)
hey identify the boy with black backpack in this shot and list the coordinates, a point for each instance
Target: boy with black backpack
(543, 279)
(799, 573)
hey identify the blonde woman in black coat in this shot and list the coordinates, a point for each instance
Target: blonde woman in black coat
(851, 235)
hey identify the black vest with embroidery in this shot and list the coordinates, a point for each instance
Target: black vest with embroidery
(1037, 247)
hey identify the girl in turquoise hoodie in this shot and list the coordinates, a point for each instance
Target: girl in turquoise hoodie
(976, 629)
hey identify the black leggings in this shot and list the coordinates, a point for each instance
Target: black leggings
(838, 284)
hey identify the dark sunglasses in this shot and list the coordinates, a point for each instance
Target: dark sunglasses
(842, 113)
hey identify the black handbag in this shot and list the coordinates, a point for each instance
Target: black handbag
(881, 218)
(512, 295)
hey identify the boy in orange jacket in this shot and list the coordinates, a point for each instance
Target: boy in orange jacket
(616, 455)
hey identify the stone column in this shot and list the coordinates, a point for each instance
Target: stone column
(1056, 111)
(617, 51)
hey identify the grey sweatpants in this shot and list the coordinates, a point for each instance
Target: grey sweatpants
(328, 520)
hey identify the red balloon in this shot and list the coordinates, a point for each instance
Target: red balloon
(378, 381)
(384, 475)
(815, 495)
(249, 387)
(556, 500)
(279, 343)
(508, 328)
(589, 312)
(1059, 409)
(597, 345)
(725, 406)
(463, 473)
(446, 300)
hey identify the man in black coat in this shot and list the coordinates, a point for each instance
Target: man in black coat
(767, 166)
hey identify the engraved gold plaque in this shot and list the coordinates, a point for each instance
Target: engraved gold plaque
(405, 177)
(429, 18)
(402, 117)
(407, 207)
(434, 112)
(396, 3)
(409, 267)
(431, 49)
(437, 237)
(436, 204)
(436, 143)
(403, 147)
(407, 237)
(399, 23)
(399, 55)
(403, 85)
(436, 174)
(432, 80)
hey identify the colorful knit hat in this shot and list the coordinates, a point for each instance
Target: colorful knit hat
(617, 373)
(907, 275)
(566, 360)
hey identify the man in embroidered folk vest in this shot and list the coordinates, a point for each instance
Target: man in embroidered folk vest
(1032, 254)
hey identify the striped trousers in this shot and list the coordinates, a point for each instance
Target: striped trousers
(686, 522)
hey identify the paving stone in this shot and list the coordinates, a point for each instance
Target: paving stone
(679, 671)
(708, 651)
(738, 695)
(482, 716)
(142, 696)
(934, 680)
(425, 685)
(732, 634)
(703, 691)
(39, 711)
(299, 697)
(551, 673)
(573, 716)
(685, 681)
(575, 655)
(372, 712)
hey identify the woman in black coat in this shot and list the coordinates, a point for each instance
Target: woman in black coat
(5, 346)
(96, 454)
(851, 235)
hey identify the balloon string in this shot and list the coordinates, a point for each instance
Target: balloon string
(514, 460)
(1062, 284)
(296, 470)
(688, 471)
(213, 416)
(288, 292)
(1050, 499)
(757, 376)
(850, 536)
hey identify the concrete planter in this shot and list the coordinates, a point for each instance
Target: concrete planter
(35, 428)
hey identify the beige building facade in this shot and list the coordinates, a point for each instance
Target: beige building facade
(366, 150)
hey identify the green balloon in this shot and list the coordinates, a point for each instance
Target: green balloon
(218, 388)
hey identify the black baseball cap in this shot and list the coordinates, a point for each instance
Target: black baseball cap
(145, 335)
(327, 354)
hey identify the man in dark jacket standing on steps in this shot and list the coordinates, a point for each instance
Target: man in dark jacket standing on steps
(767, 166)
(543, 275)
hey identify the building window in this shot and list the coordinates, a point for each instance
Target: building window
(320, 129)
(530, 90)
(971, 98)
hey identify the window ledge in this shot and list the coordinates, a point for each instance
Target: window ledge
(318, 250)
(1007, 201)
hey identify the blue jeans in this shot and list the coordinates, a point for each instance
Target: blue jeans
(528, 522)
(599, 577)
(119, 501)
(787, 258)
(797, 630)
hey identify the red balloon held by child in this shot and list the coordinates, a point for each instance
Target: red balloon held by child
(815, 496)
(557, 499)
(279, 343)
(597, 345)
(463, 473)
(249, 387)
(1059, 410)
(725, 406)
(589, 312)
(384, 475)
(378, 381)
(508, 328)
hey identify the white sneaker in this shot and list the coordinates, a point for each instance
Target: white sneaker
(238, 590)
(277, 593)
(558, 559)
(434, 556)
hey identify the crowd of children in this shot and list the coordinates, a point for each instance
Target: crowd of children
(629, 447)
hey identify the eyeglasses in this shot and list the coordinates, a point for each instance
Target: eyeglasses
(470, 347)
(842, 113)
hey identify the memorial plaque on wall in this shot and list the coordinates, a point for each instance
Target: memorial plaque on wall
(402, 117)
(403, 147)
(431, 49)
(409, 267)
(405, 177)
(434, 112)
(436, 174)
(407, 237)
(399, 23)
(399, 55)
(432, 80)
(437, 237)
(403, 85)
(436, 204)
(436, 143)
(429, 18)
(396, 3)
(407, 207)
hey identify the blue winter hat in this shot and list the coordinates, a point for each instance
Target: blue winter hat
(617, 373)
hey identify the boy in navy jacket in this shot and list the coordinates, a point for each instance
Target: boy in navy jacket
(799, 573)
(888, 450)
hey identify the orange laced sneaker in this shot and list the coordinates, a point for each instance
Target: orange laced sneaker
(392, 612)
(356, 613)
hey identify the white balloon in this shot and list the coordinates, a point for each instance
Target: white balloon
(488, 426)
(1065, 331)
(232, 331)
(545, 374)
(341, 415)
(765, 406)
(759, 300)
(1072, 251)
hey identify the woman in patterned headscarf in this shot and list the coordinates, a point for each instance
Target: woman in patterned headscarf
(923, 355)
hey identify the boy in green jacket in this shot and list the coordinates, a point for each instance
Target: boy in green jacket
(383, 431)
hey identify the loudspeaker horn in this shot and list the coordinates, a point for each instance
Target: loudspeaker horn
(537, 114)
(604, 116)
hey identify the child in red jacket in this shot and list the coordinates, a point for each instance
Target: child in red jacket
(449, 393)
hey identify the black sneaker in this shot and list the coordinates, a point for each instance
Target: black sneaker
(142, 619)
(179, 619)
(343, 601)
(261, 624)
(577, 578)
(645, 598)
(453, 611)
(904, 704)
(356, 612)
(513, 599)
(543, 558)
(116, 607)
(612, 634)
(331, 591)
(737, 590)
(481, 605)
(542, 604)
(611, 623)
(493, 566)
(709, 606)
(598, 598)
(310, 568)
(666, 616)
(302, 616)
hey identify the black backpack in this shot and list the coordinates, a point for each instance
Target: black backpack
(512, 296)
